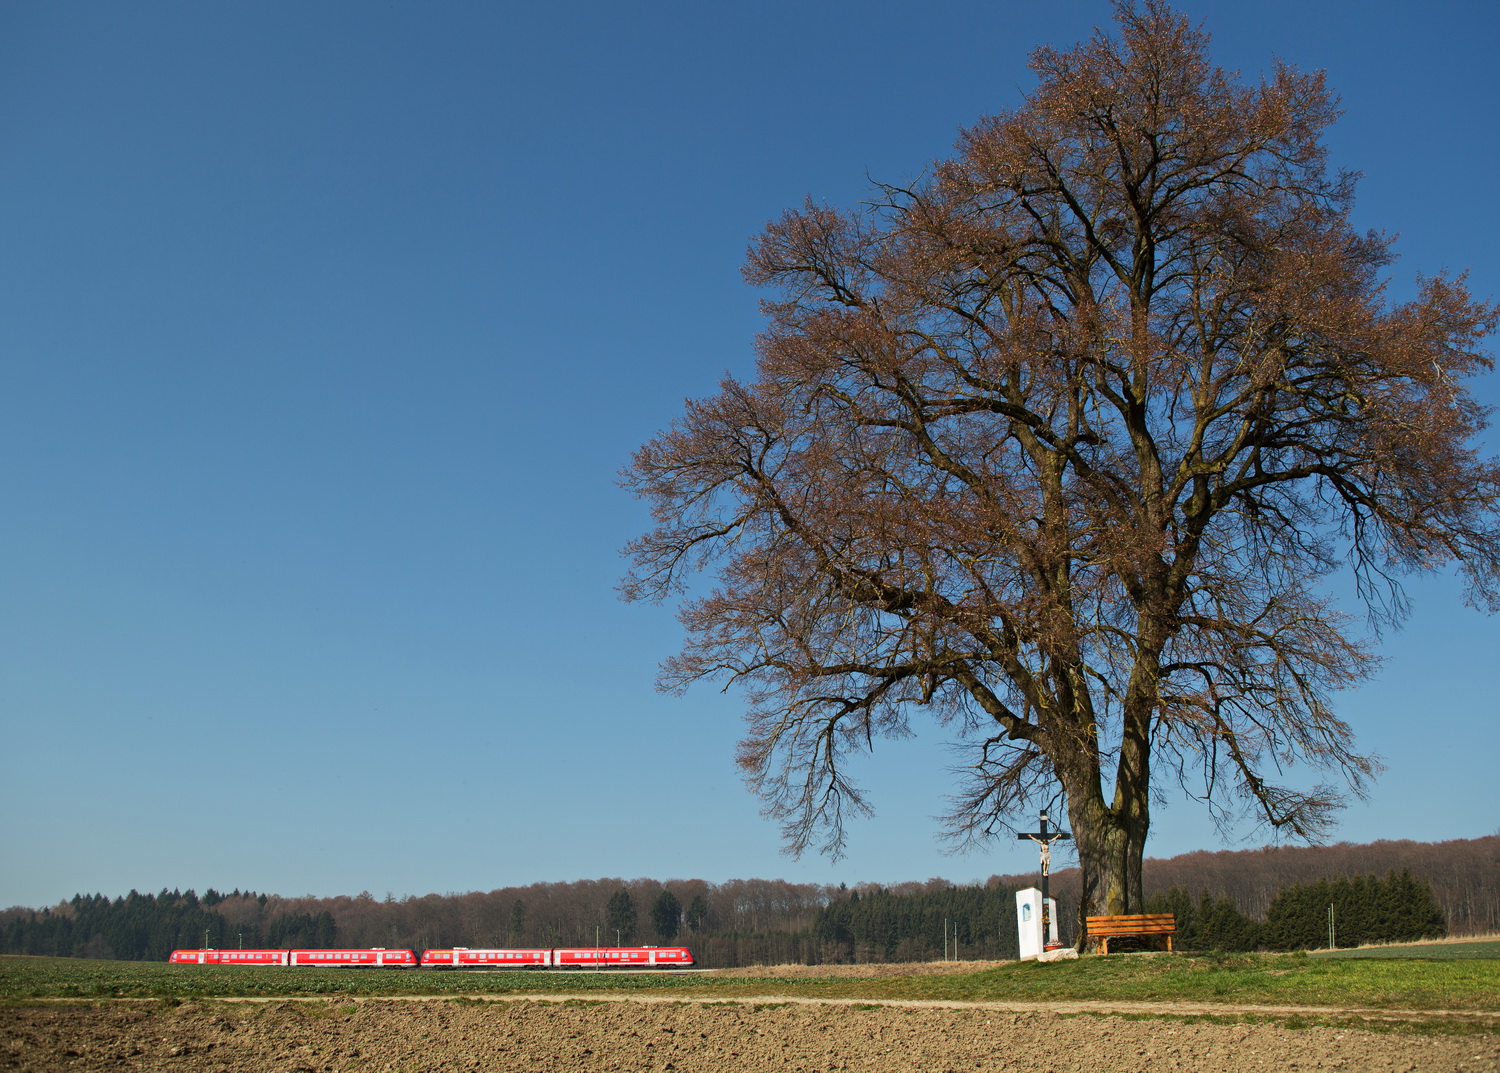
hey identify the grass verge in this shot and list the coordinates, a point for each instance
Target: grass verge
(1283, 980)
(1446, 951)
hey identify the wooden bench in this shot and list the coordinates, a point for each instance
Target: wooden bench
(1106, 928)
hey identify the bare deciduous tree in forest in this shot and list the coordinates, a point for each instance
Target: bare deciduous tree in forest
(1061, 443)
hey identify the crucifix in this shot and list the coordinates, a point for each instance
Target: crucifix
(1044, 838)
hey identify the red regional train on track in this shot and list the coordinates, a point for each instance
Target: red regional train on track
(461, 957)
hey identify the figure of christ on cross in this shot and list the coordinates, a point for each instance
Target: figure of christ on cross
(1044, 838)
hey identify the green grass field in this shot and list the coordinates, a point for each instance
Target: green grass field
(1462, 984)
(1486, 948)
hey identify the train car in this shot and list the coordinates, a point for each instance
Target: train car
(463, 957)
(672, 956)
(378, 958)
(605, 957)
(459, 957)
(228, 957)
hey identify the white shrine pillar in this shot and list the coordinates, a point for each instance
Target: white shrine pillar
(1029, 922)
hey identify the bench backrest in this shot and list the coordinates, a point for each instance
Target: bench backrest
(1132, 924)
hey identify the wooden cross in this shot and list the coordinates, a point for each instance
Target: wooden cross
(1044, 838)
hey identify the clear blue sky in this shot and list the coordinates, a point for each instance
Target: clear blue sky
(325, 327)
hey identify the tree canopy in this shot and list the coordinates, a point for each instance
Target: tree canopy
(1061, 443)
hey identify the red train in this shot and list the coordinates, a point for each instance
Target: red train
(461, 957)
(560, 958)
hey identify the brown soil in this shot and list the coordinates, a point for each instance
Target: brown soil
(669, 1037)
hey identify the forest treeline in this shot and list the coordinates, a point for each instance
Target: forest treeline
(1464, 875)
(1347, 911)
(1224, 900)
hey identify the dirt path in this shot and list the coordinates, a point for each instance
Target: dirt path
(671, 1036)
(1061, 1007)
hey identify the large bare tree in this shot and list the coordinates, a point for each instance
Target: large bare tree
(1062, 443)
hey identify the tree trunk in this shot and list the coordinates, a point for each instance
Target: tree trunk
(1111, 842)
(1111, 839)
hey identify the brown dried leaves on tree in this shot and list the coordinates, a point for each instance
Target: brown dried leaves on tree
(1060, 444)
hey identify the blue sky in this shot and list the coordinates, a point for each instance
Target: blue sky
(325, 327)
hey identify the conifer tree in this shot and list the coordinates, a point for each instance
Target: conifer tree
(666, 915)
(619, 916)
(697, 913)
